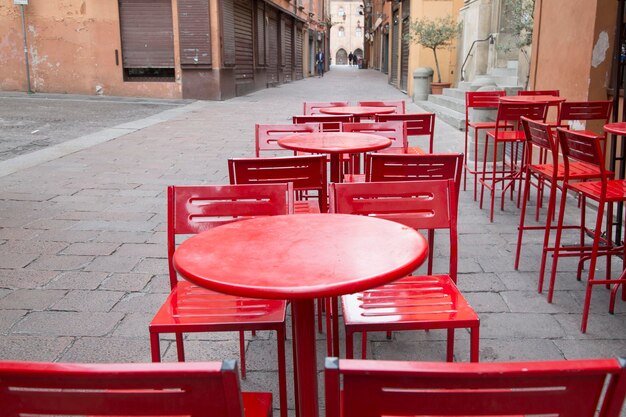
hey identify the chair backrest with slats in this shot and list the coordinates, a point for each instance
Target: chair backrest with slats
(583, 147)
(555, 93)
(195, 208)
(266, 136)
(510, 113)
(313, 107)
(381, 167)
(539, 135)
(304, 172)
(417, 124)
(209, 389)
(327, 123)
(396, 131)
(585, 110)
(398, 104)
(571, 388)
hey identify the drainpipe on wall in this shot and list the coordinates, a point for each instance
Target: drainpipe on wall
(23, 3)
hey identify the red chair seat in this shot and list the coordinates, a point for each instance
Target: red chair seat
(507, 135)
(578, 170)
(482, 125)
(257, 404)
(615, 189)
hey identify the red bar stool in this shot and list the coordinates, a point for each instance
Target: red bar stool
(584, 147)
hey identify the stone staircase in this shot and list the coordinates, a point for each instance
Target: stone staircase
(450, 105)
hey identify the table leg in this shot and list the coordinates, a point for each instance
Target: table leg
(303, 316)
(335, 167)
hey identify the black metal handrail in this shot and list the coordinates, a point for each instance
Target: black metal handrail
(489, 38)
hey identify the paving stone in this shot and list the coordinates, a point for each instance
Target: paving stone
(108, 350)
(51, 224)
(479, 282)
(533, 302)
(60, 323)
(60, 262)
(39, 247)
(142, 250)
(82, 300)
(519, 325)
(152, 266)
(25, 278)
(28, 348)
(486, 302)
(71, 236)
(114, 226)
(135, 324)
(599, 326)
(31, 299)
(586, 349)
(126, 282)
(112, 263)
(123, 237)
(502, 350)
(8, 318)
(104, 216)
(140, 303)
(15, 260)
(159, 284)
(90, 248)
(77, 280)
(4, 292)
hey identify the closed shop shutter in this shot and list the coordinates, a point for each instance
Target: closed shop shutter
(288, 43)
(147, 33)
(394, 49)
(272, 47)
(244, 54)
(228, 32)
(404, 74)
(299, 52)
(260, 33)
(194, 29)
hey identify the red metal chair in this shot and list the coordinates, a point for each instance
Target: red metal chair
(396, 131)
(313, 107)
(191, 309)
(413, 302)
(572, 113)
(400, 105)
(481, 100)
(555, 93)
(508, 115)
(306, 173)
(573, 388)
(541, 137)
(266, 136)
(205, 389)
(418, 124)
(327, 123)
(586, 148)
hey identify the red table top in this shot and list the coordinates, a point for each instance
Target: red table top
(334, 142)
(618, 128)
(300, 256)
(357, 110)
(533, 99)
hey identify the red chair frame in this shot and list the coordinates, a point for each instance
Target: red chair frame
(266, 136)
(477, 100)
(327, 123)
(306, 173)
(189, 308)
(312, 107)
(508, 115)
(571, 388)
(202, 389)
(413, 302)
(396, 131)
(555, 93)
(417, 124)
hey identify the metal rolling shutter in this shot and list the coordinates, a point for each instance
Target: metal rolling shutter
(147, 34)
(244, 52)
(404, 64)
(299, 52)
(288, 44)
(228, 32)
(260, 33)
(272, 47)
(194, 30)
(394, 49)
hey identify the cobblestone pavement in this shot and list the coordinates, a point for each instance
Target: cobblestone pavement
(82, 246)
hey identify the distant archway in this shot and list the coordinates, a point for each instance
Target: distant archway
(358, 52)
(341, 58)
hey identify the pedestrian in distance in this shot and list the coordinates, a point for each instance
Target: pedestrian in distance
(350, 58)
(319, 60)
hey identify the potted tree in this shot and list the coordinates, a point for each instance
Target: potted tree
(434, 34)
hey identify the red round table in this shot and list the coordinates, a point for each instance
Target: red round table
(335, 144)
(301, 258)
(618, 128)
(533, 99)
(357, 111)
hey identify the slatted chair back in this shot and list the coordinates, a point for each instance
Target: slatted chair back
(585, 110)
(327, 123)
(266, 136)
(306, 173)
(481, 100)
(394, 167)
(583, 147)
(572, 388)
(194, 209)
(555, 93)
(417, 124)
(209, 389)
(510, 113)
(398, 104)
(313, 107)
(396, 131)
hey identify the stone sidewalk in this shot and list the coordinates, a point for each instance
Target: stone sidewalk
(82, 247)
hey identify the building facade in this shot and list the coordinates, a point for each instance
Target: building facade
(200, 49)
(346, 33)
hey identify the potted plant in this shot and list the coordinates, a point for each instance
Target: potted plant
(434, 34)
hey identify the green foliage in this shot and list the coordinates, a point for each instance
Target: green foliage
(519, 23)
(434, 34)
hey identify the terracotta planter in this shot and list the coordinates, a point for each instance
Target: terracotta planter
(437, 88)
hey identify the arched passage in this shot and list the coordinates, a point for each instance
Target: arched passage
(341, 58)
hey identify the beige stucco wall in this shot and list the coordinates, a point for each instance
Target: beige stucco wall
(422, 57)
(71, 46)
(578, 64)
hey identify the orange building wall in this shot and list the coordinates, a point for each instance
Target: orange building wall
(72, 47)
(566, 32)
